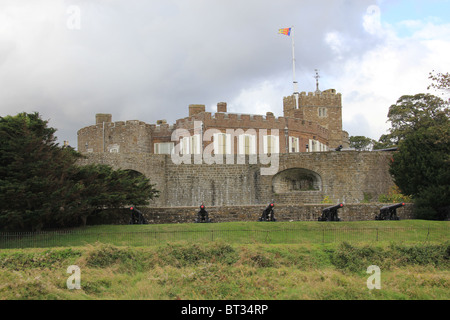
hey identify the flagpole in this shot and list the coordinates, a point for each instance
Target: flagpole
(293, 69)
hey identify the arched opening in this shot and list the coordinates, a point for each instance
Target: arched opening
(133, 173)
(296, 179)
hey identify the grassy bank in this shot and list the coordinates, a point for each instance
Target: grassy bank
(224, 271)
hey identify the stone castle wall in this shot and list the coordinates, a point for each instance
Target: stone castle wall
(301, 178)
(308, 212)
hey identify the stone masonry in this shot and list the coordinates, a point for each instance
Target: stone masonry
(301, 178)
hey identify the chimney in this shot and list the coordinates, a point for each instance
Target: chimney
(196, 108)
(222, 107)
(103, 117)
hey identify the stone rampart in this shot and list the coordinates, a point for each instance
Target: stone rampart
(301, 178)
(309, 212)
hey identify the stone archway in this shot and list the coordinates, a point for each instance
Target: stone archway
(296, 179)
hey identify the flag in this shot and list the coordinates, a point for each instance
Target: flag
(286, 31)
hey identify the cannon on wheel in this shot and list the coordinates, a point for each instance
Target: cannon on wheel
(202, 215)
(389, 212)
(137, 217)
(330, 213)
(268, 213)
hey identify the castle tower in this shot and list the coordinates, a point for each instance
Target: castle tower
(322, 107)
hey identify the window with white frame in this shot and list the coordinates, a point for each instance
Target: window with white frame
(163, 147)
(222, 143)
(185, 145)
(322, 112)
(247, 144)
(271, 144)
(195, 144)
(294, 145)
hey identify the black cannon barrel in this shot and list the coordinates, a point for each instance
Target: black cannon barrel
(335, 207)
(268, 214)
(389, 212)
(202, 215)
(330, 213)
(393, 206)
(137, 217)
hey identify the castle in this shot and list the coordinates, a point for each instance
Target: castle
(304, 146)
(314, 126)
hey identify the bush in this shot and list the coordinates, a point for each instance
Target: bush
(47, 259)
(356, 259)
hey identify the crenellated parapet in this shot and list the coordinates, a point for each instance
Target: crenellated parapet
(317, 121)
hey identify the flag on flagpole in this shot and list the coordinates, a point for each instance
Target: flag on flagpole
(285, 31)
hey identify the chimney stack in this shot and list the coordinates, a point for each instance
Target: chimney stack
(222, 107)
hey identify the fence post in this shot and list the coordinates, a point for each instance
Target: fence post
(377, 234)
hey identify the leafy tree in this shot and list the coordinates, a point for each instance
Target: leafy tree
(361, 143)
(41, 185)
(441, 81)
(421, 169)
(409, 114)
(98, 186)
(32, 171)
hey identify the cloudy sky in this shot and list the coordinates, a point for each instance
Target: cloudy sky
(150, 59)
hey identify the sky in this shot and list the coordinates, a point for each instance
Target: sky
(149, 60)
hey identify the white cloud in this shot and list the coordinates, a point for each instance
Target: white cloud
(373, 80)
(149, 60)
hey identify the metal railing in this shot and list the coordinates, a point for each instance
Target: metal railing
(66, 238)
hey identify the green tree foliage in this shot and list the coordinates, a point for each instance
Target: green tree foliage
(441, 81)
(410, 113)
(421, 168)
(98, 186)
(361, 143)
(41, 185)
(32, 171)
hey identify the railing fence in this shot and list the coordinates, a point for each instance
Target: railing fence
(65, 238)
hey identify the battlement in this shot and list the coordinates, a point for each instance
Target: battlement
(318, 118)
(327, 98)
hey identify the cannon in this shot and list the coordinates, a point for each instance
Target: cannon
(330, 213)
(389, 212)
(202, 215)
(268, 213)
(137, 217)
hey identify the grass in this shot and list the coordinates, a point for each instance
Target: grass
(232, 270)
(220, 271)
(236, 232)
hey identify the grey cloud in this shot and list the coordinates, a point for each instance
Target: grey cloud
(149, 60)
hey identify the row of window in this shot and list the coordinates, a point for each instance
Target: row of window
(246, 145)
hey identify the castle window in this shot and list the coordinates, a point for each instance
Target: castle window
(271, 144)
(322, 112)
(247, 144)
(294, 145)
(164, 148)
(195, 144)
(222, 143)
(114, 148)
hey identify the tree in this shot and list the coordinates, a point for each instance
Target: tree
(32, 170)
(41, 185)
(421, 168)
(441, 81)
(409, 114)
(361, 143)
(98, 186)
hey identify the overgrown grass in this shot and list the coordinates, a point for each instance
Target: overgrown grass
(224, 271)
